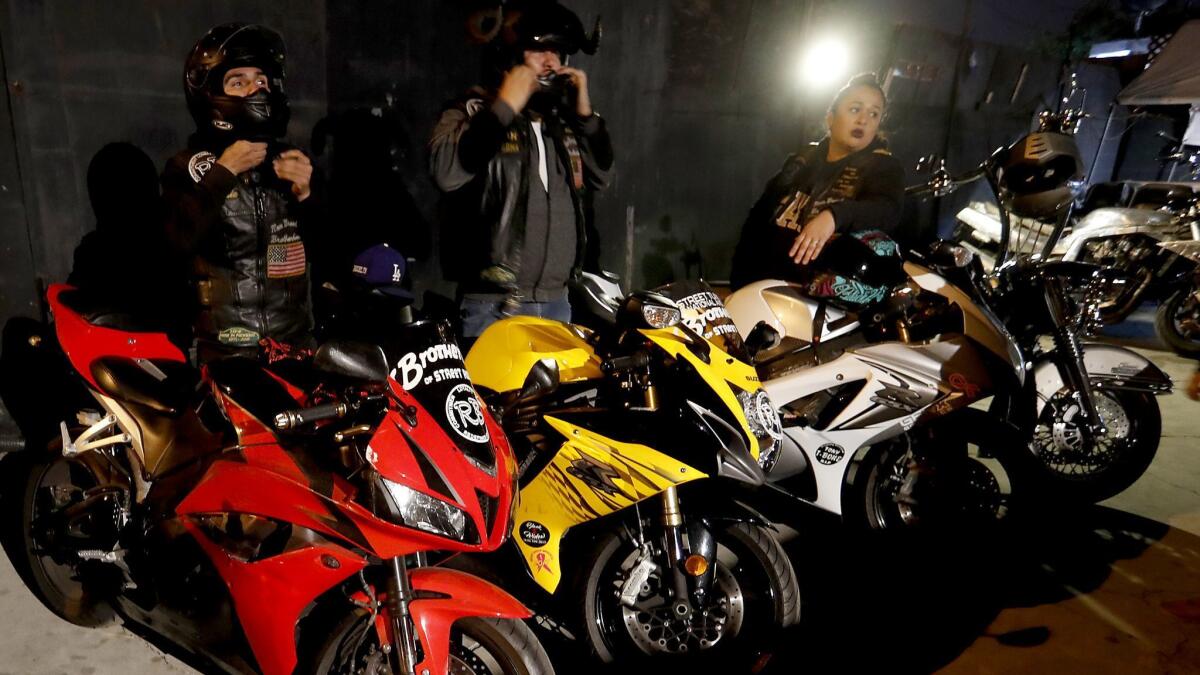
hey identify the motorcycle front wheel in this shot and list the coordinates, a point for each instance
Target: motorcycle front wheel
(1177, 321)
(754, 594)
(478, 646)
(1120, 457)
(962, 471)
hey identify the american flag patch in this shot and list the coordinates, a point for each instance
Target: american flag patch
(285, 260)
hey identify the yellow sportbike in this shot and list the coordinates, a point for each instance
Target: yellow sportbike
(628, 435)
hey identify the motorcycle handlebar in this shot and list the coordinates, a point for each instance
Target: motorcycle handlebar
(290, 419)
(948, 184)
(620, 363)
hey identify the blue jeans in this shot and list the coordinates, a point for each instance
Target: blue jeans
(480, 311)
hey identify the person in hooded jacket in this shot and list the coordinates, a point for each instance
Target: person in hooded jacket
(848, 182)
(517, 163)
(238, 200)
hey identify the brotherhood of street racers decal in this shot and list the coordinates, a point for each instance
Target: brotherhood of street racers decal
(434, 374)
(702, 310)
(200, 164)
(465, 414)
(435, 364)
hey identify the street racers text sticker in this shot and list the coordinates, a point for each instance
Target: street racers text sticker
(417, 368)
(705, 314)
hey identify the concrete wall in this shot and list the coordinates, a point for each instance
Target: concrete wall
(84, 74)
(701, 97)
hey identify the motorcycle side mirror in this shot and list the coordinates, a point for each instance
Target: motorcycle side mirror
(763, 337)
(543, 378)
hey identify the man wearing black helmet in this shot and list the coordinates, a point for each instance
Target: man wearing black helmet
(238, 198)
(516, 163)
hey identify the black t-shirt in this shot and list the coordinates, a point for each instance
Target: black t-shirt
(863, 191)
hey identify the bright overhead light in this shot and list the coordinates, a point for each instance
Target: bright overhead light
(824, 62)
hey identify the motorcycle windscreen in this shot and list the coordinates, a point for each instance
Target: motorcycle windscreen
(705, 313)
(429, 365)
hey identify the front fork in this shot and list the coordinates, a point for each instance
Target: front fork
(404, 635)
(1071, 363)
(691, 571)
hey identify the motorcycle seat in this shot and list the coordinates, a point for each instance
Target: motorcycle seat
(166, 387)
(107, 313)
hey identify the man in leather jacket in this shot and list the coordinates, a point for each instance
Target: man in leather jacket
(516, 165)
(237, 199)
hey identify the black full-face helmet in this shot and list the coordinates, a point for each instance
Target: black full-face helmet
(542, 25)
(261, 116)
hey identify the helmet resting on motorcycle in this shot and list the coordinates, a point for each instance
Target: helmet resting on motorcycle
(1035, 172)
(261, 116)
(856, 270)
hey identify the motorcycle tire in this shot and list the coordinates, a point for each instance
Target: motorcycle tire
(1139, 412)
(479, 646)
(971, 477)
(1168, 329)
(80, 592)
(760, 595)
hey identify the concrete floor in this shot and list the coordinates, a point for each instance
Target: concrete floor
(1109, 590)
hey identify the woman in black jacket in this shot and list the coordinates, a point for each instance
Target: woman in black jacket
(848, 182)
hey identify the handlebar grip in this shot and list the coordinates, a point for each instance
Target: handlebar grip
(290, 419)
(619, 363)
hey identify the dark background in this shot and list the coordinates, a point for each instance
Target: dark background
(701, 97)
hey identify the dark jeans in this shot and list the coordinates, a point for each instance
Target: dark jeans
(480, 311)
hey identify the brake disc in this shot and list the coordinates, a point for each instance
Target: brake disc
(656, 630)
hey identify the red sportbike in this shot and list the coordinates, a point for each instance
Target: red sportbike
(278, 523)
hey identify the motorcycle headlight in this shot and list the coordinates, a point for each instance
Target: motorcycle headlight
(426, 513)
(764, 422)
(660, 316)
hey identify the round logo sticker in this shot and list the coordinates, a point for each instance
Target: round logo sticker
(534, 533)
(465, 414)
(830, 453)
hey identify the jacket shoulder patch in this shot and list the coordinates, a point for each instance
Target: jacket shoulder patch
(473, 106)
(200, 164)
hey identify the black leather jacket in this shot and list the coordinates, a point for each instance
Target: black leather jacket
(244, 234)
(480, 157)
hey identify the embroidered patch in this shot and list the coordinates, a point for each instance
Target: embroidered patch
(285, 260)
(571, 144)
(238, 337)
(200, 164)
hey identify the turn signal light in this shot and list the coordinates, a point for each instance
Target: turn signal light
(695, 565)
